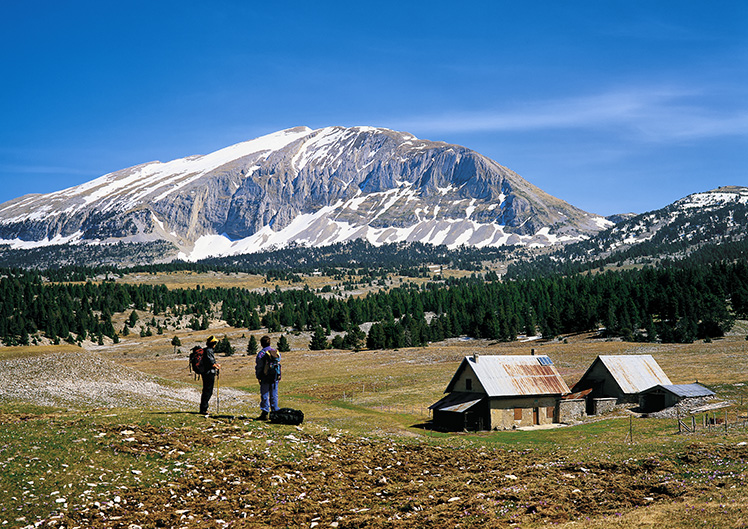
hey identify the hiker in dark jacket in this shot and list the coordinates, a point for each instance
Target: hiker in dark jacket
(267, 377)
(209, 374)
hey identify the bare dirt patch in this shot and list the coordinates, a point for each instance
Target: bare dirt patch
(85, 380)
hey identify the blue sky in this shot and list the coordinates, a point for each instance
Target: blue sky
(613, 106)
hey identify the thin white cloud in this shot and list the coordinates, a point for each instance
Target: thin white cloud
(652, 114)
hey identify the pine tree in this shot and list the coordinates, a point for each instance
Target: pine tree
(354, 339)
(224, 347)
(319, 340)
(254, 321)
(252, 346)
(283, 345)
(375, 339)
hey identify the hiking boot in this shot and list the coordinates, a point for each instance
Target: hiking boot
(263, 416)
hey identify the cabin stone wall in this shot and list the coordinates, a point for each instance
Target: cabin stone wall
(602, 406)
(571, 410)
(514, 412)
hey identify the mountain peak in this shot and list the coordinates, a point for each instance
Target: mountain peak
(305, 186)
(716, 197)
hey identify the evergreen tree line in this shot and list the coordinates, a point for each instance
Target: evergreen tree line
(668, 304)
(407, 259)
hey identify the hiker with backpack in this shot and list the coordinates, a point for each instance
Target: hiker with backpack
(268, 373)
(208, 371)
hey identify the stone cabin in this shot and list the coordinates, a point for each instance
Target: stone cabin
(663, 396)
(620, 377)
(495, 392)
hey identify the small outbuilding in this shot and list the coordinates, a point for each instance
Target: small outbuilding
(663, 396)
(620, 377)
(500, 392)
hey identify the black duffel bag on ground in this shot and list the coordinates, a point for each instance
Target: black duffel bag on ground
(287, 416)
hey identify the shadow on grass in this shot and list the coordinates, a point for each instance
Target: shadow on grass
(208, 416)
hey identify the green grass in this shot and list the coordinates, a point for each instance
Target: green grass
(54, 460)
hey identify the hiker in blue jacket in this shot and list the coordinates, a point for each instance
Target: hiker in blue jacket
(209, 373)
(267, 371)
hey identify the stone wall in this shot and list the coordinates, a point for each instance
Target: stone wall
(571, 410)
(604, 405)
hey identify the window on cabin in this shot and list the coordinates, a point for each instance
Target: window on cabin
(469, 384)
(549, 412)
(517, 414)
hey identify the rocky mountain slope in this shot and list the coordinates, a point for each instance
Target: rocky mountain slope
(303, 186)
(711, 216)
(708, 226)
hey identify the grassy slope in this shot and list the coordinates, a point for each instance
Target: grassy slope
(361, 408)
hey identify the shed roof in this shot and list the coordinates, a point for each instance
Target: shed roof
(683, 390)
(513, 375)
(633, 373)
(457, 402)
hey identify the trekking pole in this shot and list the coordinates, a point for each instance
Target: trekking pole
(218, 392)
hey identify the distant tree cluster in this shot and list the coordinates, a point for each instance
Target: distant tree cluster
(671, 304)
(405, 258)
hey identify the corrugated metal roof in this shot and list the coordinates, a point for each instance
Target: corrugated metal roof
(578, 394)
(515, 375)
(685, 390)
(634, 373)
(457, 402)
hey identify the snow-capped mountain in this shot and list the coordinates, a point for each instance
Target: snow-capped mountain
(711, 216)
(304, 186)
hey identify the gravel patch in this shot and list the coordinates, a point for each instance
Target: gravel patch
(85, 380)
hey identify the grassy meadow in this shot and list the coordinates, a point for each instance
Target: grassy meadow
(364, 456)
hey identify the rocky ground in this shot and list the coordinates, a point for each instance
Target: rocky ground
(318, 479)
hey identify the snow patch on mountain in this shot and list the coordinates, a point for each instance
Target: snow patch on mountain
(20, 244)
(304, 186)
(321, 229)
(717, 197)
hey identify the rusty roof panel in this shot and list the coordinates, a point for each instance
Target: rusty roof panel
(634, 373)
(578, 394)
(515, 375)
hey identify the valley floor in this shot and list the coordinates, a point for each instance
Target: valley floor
(109, 437)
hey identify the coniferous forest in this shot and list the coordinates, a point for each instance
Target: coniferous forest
(668, 304)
